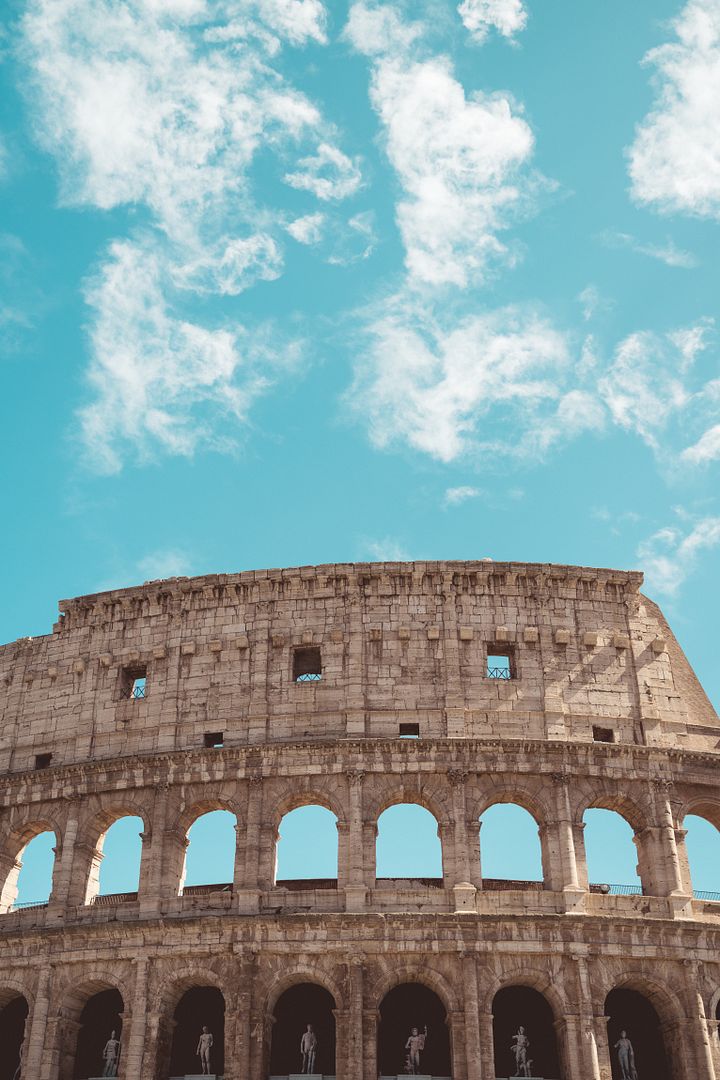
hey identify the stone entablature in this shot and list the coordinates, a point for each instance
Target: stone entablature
(399, 642)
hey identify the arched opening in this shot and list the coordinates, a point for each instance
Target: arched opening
(199, 1013)
(524, 1034)
(405, 1013)
(702, 843)
(96, 1043)
(307, 848)
(635, 1036)
(210, 855)
(115, 869)
(29, 882)
(303, 1034)
(510, 850)
(611, 854)
(13, 1014)
(408, 845)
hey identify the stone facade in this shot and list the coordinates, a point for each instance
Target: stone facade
(399, 643)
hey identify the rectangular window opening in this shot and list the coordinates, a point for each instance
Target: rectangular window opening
(603, 734)
(409, 731)
(214, 740)
(42, 761)
(307, 664)
(499, 663)
(133, 682)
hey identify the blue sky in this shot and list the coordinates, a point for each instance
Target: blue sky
(289, 282)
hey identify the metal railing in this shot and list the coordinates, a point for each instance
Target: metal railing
(205, 890)
(309, 676)
(509, 885)
(111, 899)
(133, 693)
(29, 904)
(498, 673)
(617, 890)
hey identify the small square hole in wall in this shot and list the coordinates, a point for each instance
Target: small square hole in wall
(307, 664)
(603, 734)
(409, 731)
(42, 761)
(499, 663)
(133, 682)
(214, 739)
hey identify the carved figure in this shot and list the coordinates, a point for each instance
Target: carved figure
(111, 1056)
(308, 1049)
(626, 1057)
(520, 1047)
(414, 1046)
(203, 1050)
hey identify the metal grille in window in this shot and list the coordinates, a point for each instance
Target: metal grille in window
(498, 667)
(134, 684)
(309, 676)
(307, 664)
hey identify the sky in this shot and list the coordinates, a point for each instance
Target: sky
(288, 282)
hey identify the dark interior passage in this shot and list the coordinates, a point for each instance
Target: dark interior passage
(202, 1006)
(522, 1006)
(631, 1012)
(408, 1006)
(299, 1006)
(99, 1018)
(12, 1031)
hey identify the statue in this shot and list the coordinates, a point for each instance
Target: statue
(111, 1056)
(520, 1047)
(203, 1050)
(414, 1046)
(626, 1057)
(308, 1049)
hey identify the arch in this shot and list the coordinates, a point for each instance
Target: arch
(493, 792)
(308, 848)
(198, 1013)
(31, 866)
(413, 1030)
(408, 843)
(291, 797)
(303, 1015)
(211, 861)
(510, 844)
(101, 1015)
(431, 795)
(702, 845)
(619, 803)
(14, 1008)
(611, 851)
(524, 1036)
(116, 854)
(642, 1046)
(414, 973)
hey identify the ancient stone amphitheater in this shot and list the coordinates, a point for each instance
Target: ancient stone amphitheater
(358, 687)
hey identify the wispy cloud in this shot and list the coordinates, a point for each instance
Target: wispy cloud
(674, 161)
(508, 17)
(386, 549)
(666, 252)
(165, 563)
(593, 302)
(155, 105)
(456, 495)
(670, 555)
(307, 229)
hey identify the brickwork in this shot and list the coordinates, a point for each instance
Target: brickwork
(399, 643)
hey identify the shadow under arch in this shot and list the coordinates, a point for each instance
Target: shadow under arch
(524, 1035)
(100, 1031)
(14, 1008)
(413, 1031)
(166, 1001)
(302, 1033)
(636, 1042)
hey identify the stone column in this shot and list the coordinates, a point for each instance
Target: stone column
(666, 870)
(369, 838)
(351, 869)
(704, 1054)
(341, 1043)
(67, 878)
(9, 871)
(133, 1051)
(487, 1045)
(466, 837)
(248, 893)
(151, 886)
(458, 1050)
(559, 847)
(354, 1042)
(473, 1052)
(586, 1032)
(240, 1053)
(371, 1018)
(36, 1026)
(568, 1030)
(714, 1039)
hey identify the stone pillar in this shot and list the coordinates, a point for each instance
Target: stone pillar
(67, 878)
(586, 1032)
(705, 1062)
(568, 1031)
(371, 1019)
(473, 1052)
(36, 1026)
(9, 871)
(558, 842)
(660, 850)
(352, 865)
(134, 1061)
(602, 1045)
(267, 861)
(487, 1045)
(369, 838)
(248, 893)
(151, 886)
(243, 1027)
(458, 1050)
(466, 839)
(354, 1042)
(341, 1043)
(714, 1039)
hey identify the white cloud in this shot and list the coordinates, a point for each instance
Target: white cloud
(456, 495)
(307, 229)
(459, 160)
(439, 383)
(156, 375)
(674, 162)
(669, 557)
(705, 450)
(593, 302)
(146, 105)
(508, 17)
(666, 252)
(328, 174)
(165, 563)
(388, 549)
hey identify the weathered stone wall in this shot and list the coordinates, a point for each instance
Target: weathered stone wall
(399, 643)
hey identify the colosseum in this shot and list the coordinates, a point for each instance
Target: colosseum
(358, 687)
